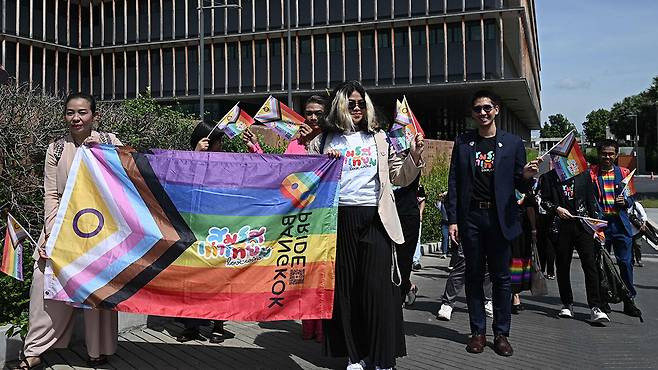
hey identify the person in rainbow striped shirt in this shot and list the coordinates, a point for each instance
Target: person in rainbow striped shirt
(614, 203)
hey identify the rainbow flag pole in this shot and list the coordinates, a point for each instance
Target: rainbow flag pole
(12, 256)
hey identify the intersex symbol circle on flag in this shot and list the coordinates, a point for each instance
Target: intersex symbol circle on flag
(76, 221)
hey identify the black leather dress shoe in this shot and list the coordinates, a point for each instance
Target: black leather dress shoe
(502, 346)
(476, 343)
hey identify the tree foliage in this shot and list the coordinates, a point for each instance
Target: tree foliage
(557, 126)
(594, 127)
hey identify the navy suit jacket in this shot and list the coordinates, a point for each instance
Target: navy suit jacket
(509, 160)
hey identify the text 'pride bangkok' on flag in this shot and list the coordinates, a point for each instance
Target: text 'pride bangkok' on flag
(196, 234)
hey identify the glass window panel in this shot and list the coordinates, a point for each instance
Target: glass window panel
(219, 68)
(246, 17)
(419, 54)
(24, 25)
(455, 53)
(84, 74)
(192, 18)
(351, 56)
(96, 74)
(320, 61)
(436, 53)
(275, 14)
(144, 18)
(74, 26)
(180, 19)
(261, 65)
(305, 62)
(473, 51)
(167, 19)
(73, 73)
(119, 21)
(37, 25)
(132, 74)
(418, 7)
(247, 64)
(96, 22)
(351, 10)
(261, 14)
(233, 71)
(107, 71)
(37, 71)
(319, 12)
(50, 22)
(401, 8)
(180, 71)
(10, 18)
(336, 11)
(367, 10)
(436, 6)
(473, 4)
(50, 72)
(86, 25)
(193, 69)
(385, 58)
(383, 9)
(156, 14)
(118, 83)
(304, 16)
(368, 58)
(455, 5)
(275, 64)
(143, 72)
(167, 71)
(155, 73)
(401, 56)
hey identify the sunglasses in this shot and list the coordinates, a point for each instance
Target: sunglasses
(487, 108)
(317, 113)
(353, 104)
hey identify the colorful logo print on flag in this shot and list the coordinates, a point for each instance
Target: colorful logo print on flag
(234, 122)
(232, 237)
(571, 165)
(405, 127)
(12, 255)
(280, 118)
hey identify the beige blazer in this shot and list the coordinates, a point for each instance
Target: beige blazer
(54, 181)
(393, 169)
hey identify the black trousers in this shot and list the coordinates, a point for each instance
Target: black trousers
(367, 315)
(545, 246)
(573, 235)
(410, 228)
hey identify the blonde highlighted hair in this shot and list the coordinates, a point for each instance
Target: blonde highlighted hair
(339, 118)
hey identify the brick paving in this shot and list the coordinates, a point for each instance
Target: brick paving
(540, 339)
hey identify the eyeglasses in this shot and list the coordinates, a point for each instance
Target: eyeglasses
(317, 113)
(353, 104)
(487, 108)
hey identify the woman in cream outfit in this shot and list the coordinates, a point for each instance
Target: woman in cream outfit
(51, 322)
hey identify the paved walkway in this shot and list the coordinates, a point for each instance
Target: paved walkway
(540, 339)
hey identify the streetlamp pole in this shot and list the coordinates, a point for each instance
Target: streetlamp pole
(202, 46)
(289, 54)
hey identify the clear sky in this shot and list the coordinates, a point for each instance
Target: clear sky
(594, 53)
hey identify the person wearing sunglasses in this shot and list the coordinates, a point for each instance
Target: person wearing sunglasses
(486, 166)
(314, 112)
(367, 316)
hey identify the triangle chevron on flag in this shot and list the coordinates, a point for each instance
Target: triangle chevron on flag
(279, 117)
(234, 122)
(405, 127)
(563, 147)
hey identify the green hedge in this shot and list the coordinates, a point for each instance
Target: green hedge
(435, 182)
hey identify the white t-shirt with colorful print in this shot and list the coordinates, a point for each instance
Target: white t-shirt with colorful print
(359, 184)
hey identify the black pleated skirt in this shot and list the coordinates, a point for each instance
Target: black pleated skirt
(367, 316)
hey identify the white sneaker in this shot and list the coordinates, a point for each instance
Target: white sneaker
(566, 311)
(358, 366)
(488, 308)
(444, 313)
(598, 316)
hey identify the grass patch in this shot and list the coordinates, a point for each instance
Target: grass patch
(649, 202)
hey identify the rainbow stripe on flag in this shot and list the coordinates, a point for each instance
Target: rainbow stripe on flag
(571, 165)
(280, 118)
(197, 234)
(12, 255)
(405, 127)
(234, 122)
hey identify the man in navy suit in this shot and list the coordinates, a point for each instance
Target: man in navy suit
(487, 165)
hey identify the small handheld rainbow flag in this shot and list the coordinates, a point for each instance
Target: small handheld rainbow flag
(280, 118)
(596, 226)
(405, 128)
(12, 256)
(572, 164)
(564, 146)
(629, 185)
(234, 122)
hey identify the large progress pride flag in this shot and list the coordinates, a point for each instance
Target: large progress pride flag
(194, 234)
